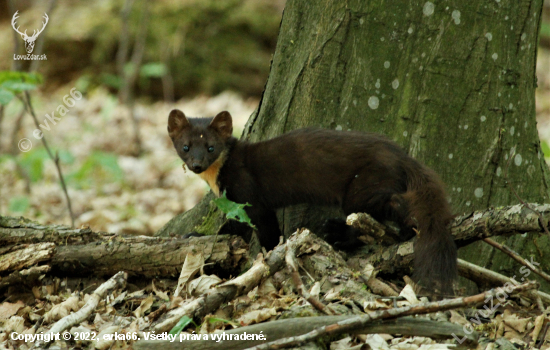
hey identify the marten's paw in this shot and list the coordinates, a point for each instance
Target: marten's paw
(340, 235)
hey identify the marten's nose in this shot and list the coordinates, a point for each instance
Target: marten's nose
(196, 167)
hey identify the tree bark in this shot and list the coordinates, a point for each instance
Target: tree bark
(452, 83)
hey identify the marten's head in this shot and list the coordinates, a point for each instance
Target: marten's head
(199, 141)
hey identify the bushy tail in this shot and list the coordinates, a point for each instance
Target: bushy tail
(435, 253)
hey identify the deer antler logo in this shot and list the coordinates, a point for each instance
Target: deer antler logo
(29, 40)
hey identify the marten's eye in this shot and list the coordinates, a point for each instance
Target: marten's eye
(211, 149)
(186, 148)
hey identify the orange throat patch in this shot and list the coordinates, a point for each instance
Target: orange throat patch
(210, 175)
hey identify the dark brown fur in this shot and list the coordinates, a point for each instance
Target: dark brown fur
(361, 172)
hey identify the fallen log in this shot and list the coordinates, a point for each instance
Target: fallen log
(279, 329)
(82, 252)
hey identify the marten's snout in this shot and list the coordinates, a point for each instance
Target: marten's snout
(196, 167)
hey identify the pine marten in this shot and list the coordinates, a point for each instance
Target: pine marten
(361, 172)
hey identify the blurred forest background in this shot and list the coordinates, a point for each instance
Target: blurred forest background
(134, 61)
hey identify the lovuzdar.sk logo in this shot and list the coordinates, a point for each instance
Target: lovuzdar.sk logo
(29, 40)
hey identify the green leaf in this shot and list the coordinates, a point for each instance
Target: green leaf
(12, 83)
(233, 210)
(17, 86)
(6, 96)
(19, 204)
(182, 323)
(153, 70)
(31, 78)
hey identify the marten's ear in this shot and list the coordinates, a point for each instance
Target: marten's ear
(223, 124)
(176, 122)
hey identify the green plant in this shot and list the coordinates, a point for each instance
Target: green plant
(233, 210)
(12, 83)
(182, 323)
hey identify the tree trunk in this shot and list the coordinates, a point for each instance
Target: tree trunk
(452, 83)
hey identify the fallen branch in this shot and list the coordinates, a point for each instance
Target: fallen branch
(117, 281)
(517, 258)
(288, 327)
(380, 288)
(466, 229)
(484, 276)
(352, 324)
(83, 252)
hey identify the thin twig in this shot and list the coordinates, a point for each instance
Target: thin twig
(509, 183)
(30, 110)
(485, 276)
(517, 258)
(354, 323)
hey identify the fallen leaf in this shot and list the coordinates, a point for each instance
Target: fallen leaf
(8, 309)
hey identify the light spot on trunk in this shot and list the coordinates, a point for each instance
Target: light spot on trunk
(518, 159)
(489, 36)
(373, 102)
(478, 192)
(456, 16)
(429, 8)
(395, 84)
